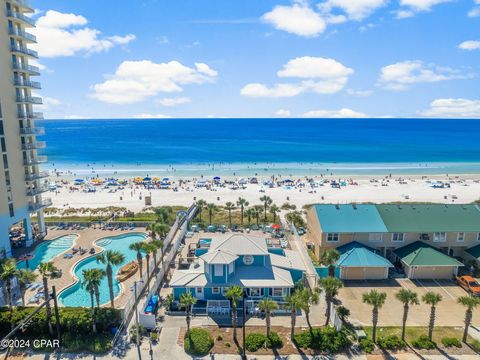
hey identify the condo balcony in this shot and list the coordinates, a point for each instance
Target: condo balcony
(36, 176)
(31, 70)
(36, 206)
(25, 5)
(28, 131)
(19, 16)
(27, 83)
(24, 50)
(30, 115)
(37, 190)
(36, 161)
(29, 100)
(35, 145)
(22, 35)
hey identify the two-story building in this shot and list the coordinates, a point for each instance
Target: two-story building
(400, 233)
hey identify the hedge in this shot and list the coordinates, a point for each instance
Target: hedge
(323, 339)
(198, 342)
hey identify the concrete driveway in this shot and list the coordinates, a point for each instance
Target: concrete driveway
(449, 313)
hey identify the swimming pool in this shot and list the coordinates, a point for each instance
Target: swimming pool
(75, 295)
(48, 250)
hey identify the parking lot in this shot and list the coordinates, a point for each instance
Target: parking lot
(449, 313)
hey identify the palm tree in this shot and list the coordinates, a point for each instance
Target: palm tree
(148, 249)
(243, 204)
(48, 271)
(330, 286)
(431, 299)
(267, 305)
(138, 247)
(267, 201)
(8, 271)
(162, 229)
(250, 213)
(110, 258)
(200, 206)
(376, 299)
(229, 206)
(91, 281)
(308, 298)
(470, 303)
(293, 303)
(234, 293)
(329, 257)
(158, 244)
(25, 277)
(151, 227)
(163, 214)
(407, 297)
(274, 210)
(257, 211)
(187, 301)
(211, 209)
(98, 275)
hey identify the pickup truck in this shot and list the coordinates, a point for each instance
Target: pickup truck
(469, 284)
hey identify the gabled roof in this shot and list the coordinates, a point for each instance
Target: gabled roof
(421, 254)
(355, 254)
(218, 256)
(240, 244)
(474, 251)
(291, 260)
(188, 278)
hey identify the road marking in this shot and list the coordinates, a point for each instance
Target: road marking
(448, 293)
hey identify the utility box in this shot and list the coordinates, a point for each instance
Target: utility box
(148, 200)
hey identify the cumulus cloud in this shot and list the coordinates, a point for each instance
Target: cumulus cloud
(470, 45)
(135, 81)
(61, 34)
(359, 93)
(475, 12)
(171, 102)
(47, 103)
(320, 75)
(411, 7)
(298, 19)
(400, 75)
(283, 112)
(354, 10)
(342, 113)
(453, 108)
(151, 116)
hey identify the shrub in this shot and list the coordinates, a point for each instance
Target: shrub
(255, 341)
(154, 336)
(449, 342)
(343, 312)
(391, 342)
(324, 339)
(133, 332)
(219, 338)
(198, 342)
(423, 342)
(227, 344)
(367, 345)
(274, 341)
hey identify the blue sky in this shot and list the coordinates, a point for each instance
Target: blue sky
(193, 58)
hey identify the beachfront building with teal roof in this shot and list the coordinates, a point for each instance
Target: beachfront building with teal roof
(243, 260)
(448, 230)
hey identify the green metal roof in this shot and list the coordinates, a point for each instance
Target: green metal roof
(474, 251)
(430, 218)
(349, 218)
(355, 254)
(421, 254)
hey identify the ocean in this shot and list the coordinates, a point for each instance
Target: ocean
(193, 147)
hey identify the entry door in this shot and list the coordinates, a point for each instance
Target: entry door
(199, 293)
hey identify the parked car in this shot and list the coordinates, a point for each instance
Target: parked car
(469, 284)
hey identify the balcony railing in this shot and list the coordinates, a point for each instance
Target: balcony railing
(25, 5)
(27, 83)
(36, 176)
(40, 205)
(35, 145)
(24, 50)
(30, 115)
(32, 70)
(24, 35)
(37, 190)
(29, 99)
(32, 131)
(36, 161)
(19, 16)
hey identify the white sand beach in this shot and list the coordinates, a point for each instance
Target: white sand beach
(463, 189)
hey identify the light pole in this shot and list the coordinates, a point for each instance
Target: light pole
(244, 355)
(136, 311)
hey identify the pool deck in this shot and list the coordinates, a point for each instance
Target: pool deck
(86, 239)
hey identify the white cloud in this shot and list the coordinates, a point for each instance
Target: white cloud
(399, 76)
(171, 102)
(135, 81)
(60, 34)
(297, 19)
(475, 12)
(320, 75)
(354, 9)
(342, 113)
(75, 117)
(415, 6)
(359, 93)
(453, 108)
(151, 116)
(36, 63)
(283, 112)
(470, 45)
(47, 103)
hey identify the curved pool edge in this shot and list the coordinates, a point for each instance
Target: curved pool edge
(76, 279)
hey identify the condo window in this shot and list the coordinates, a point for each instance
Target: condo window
(4, 146)
(218, 270)
(440, 237)
(397, 237)
(277, 292)
(255, 292)
(333, 237)
(11, 210)
(461, 236)
(216, 290)
(375, 237)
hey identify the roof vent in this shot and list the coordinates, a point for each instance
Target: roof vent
(196, 265)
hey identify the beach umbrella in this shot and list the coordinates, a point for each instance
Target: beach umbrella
(26, 257)
(79, 180)
(147, 179)
(216, 178)
(275, 226)
(165, 179)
